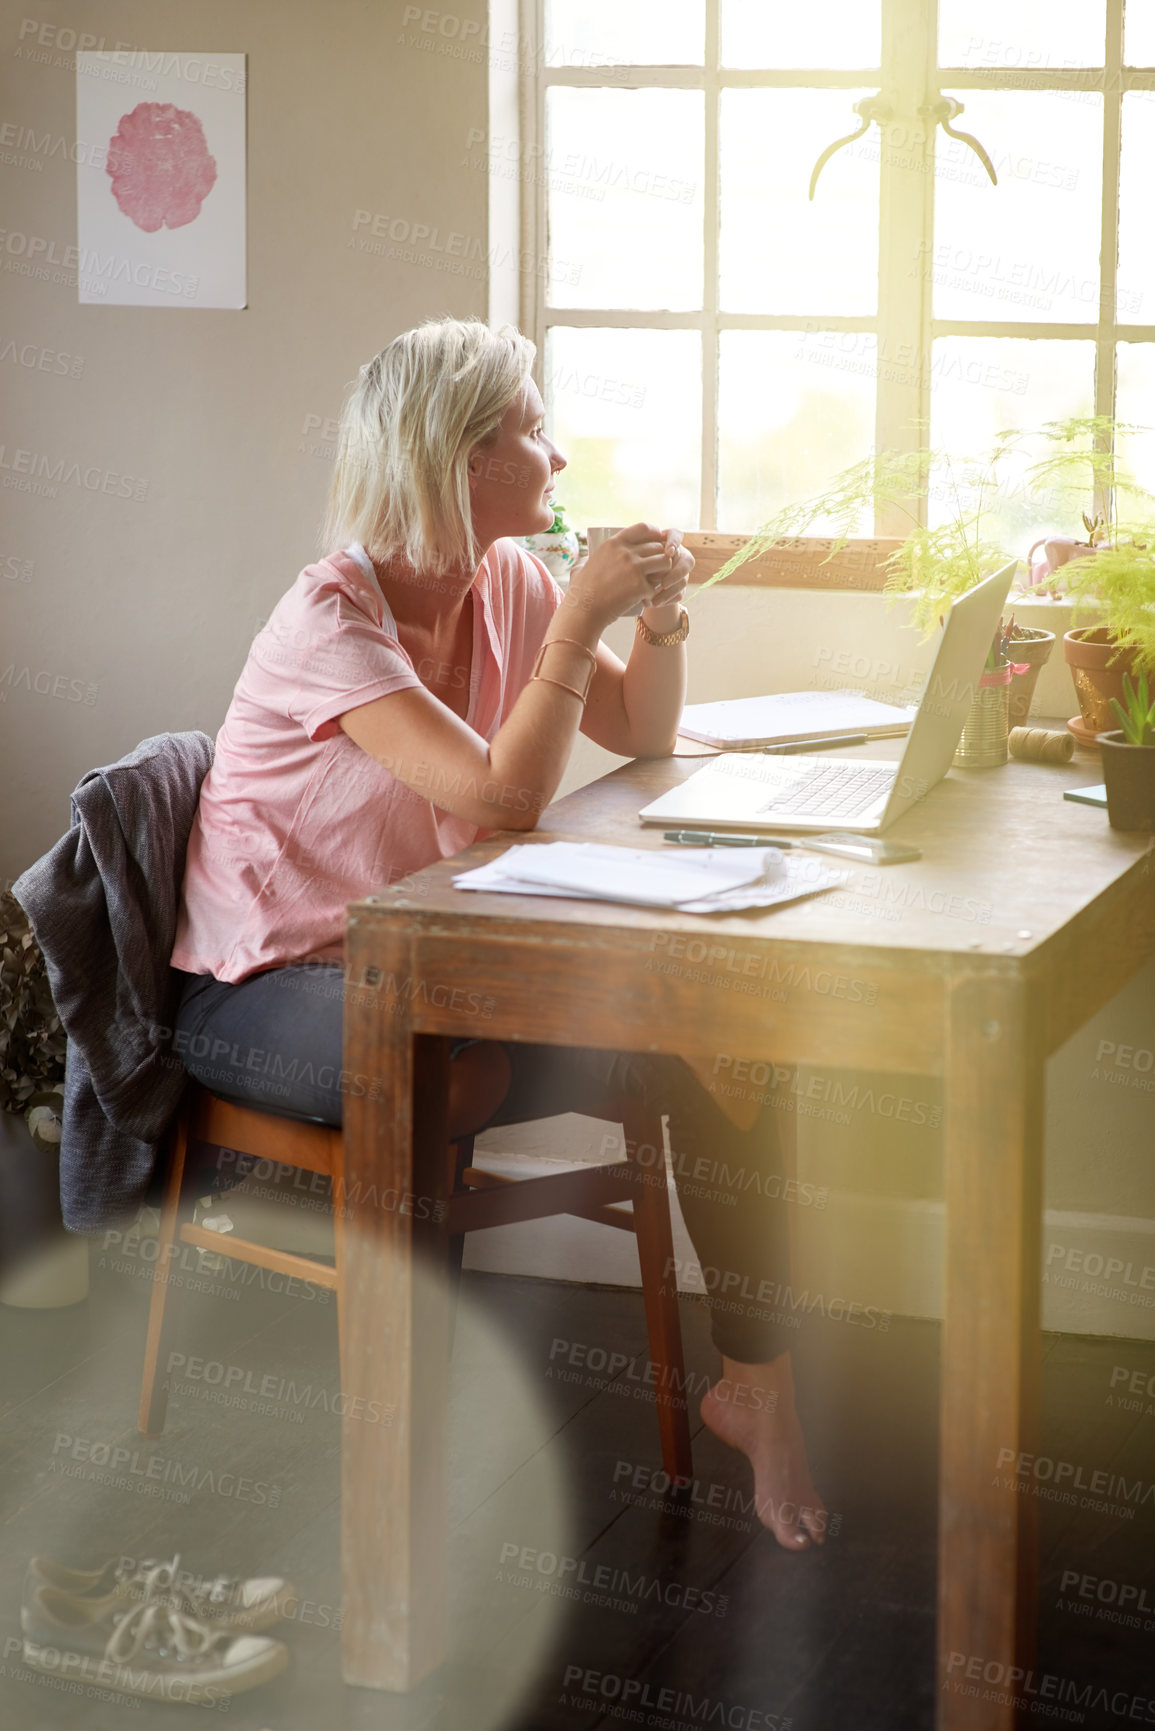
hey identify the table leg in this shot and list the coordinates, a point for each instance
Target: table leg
(395, 1336)
(991, 1355)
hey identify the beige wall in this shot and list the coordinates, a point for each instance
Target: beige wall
(154, 603)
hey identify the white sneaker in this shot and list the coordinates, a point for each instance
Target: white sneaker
(155, 1649)
(225, 1600)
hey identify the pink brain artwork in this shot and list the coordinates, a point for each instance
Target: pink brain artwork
(160, 166)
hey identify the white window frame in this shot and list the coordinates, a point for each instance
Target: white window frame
(910, 78)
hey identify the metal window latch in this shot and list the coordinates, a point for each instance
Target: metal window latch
(875, 108)
(869, 110)
(942, 112)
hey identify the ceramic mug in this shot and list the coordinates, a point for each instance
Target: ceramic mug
(595, 537)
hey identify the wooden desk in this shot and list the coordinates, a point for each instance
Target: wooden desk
(1024, 916)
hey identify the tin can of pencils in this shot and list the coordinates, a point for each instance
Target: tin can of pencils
(983, 743)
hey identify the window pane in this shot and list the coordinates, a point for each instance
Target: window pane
(779, 253)
(1136, 279)
(1136, 404)
(625, 198)
(981, 386)
(826, 33)
(793, 409)
(1028, 248)
(1031, 34)
(625, 407)
(1139, 33)
(603, 32)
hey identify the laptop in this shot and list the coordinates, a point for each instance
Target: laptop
(749, 791)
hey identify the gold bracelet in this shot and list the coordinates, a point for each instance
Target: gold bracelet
(550, 641)
(544, 679)
(593, 661)
(665, 639)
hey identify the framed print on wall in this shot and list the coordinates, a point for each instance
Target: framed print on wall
(160, 179)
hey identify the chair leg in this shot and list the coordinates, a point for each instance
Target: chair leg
(153, 1384)
(460, 1156)
(660, 1294)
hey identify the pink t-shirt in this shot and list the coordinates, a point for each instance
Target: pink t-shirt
(294, 820)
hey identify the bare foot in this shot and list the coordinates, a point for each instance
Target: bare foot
(751, 1407)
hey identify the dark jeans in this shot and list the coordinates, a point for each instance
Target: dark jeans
(275, 1042)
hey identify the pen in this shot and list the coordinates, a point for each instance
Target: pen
(703, 838)
(796, 745)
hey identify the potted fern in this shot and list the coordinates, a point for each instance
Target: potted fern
(1111, 574)
(933, 566)
(1129, 757)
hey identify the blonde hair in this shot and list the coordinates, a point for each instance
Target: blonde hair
(420, 406)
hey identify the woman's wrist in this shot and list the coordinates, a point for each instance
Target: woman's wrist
(662, 619)
(576, 617)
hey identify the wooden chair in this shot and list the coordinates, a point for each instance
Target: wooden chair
(477, 1199)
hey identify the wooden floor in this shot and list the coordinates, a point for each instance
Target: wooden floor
(582, 1596)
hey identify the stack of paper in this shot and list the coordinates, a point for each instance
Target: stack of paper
(710, 880)
(744, 723)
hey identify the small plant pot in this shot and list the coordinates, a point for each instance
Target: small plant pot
(1033, 647)
(1129, 776)
(558, 553)
(1097, 666)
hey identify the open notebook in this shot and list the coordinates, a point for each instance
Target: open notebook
(745, 723)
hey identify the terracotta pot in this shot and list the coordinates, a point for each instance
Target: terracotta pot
(1097, 666)
(1033, 647)
(1129, 775)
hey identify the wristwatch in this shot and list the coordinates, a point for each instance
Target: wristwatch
(665, 639)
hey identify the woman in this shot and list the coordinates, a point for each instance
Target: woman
(422, 686)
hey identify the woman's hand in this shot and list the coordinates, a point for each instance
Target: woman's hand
(671, 587)
(625, 569)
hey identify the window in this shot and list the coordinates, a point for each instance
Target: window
(715, 343)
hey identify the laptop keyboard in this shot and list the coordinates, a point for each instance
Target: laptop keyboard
(844, 789)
